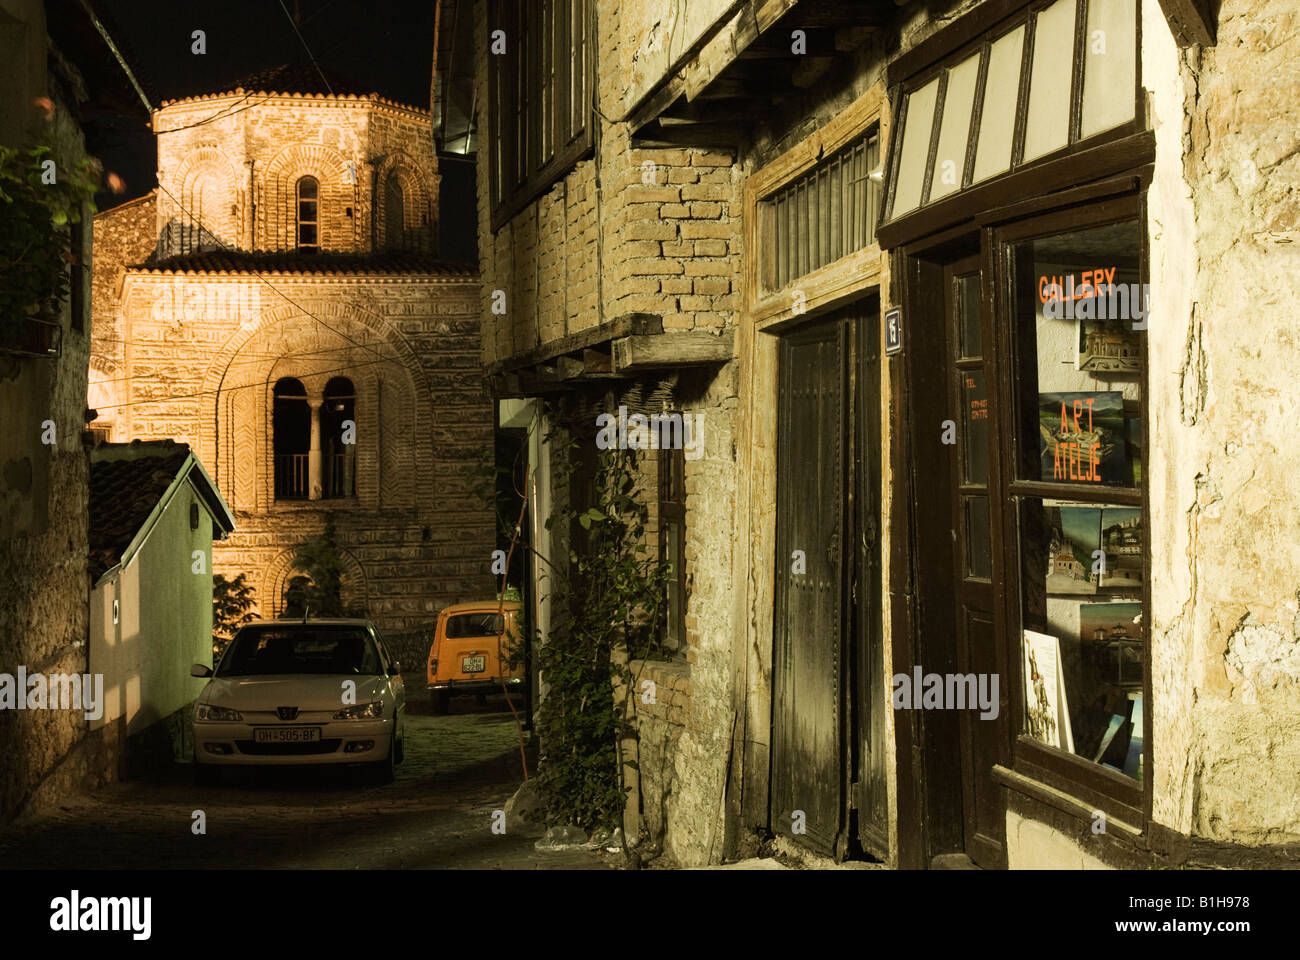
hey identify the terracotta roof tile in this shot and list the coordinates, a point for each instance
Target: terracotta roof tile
(241, 261)
(124, 491)
(294, 80)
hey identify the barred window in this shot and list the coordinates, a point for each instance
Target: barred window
(823, 215)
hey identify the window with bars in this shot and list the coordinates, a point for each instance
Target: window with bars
(823, 215)
(540, 82)
(1061, 73)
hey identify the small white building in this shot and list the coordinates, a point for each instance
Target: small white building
(154, 513)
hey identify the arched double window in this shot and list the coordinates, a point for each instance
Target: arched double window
(291, 425)
(308, 215)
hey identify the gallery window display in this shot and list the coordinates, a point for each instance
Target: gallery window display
(1078, 311)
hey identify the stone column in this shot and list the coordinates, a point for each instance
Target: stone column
(315, 481)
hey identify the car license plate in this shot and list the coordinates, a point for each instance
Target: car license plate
(473, 664)
(286, 735)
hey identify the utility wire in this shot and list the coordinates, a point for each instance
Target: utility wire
(255, 358)
(245, 386)
(226, 247)
(307, 48)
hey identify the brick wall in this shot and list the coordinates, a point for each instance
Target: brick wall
(357, 148)
(644, 230)
(44, 588)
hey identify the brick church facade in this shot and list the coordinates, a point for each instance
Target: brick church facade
(277, 304)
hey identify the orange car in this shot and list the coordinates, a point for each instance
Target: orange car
(466, 656)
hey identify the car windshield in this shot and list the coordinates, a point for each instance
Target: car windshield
(473, 625)
(308, 648)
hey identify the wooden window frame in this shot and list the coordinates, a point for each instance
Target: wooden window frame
(525, 159)
(975, 35)
(834, 283)
(299, 222)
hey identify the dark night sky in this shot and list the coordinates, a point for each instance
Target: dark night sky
(381, 45)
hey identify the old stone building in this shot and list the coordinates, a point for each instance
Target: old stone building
(831, 229)
(276, 303)
(44, 470)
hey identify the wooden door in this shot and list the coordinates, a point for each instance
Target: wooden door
(970, 394)
(808, 676)
(870, 699)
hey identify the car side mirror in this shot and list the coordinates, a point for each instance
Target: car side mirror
(199, 670)
(395, 668)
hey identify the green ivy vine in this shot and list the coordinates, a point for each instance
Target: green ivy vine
(35, 244)
(614, 604)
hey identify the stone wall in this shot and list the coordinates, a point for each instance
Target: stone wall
(44, 587)
(124, 236)
(1226, 539)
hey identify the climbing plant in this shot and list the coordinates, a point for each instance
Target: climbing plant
(39, 197)
(232, 605)
(318, 589)
(613, 604)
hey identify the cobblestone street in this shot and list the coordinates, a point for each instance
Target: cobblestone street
(459, 768)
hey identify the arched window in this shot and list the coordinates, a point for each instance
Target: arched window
(338, 428)
(291, 439)
(395, 213)
(308, 237)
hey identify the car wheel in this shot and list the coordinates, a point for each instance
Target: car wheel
(441, 701)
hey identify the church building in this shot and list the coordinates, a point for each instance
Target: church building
(277, 304)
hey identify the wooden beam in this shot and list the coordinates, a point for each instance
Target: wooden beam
(712, 136)
(775, 46)
(1191, 21)
(684, 349)
(597, 361)
(628, 324)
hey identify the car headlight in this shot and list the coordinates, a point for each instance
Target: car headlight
(374, 710)
(206, 711)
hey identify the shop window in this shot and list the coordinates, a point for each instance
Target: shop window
(1078, 312)
(1054, 76)
(308, 237)
(540, 69)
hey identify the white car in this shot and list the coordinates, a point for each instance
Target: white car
(301, 692)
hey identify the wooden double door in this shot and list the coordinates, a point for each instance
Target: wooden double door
(828, 769)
